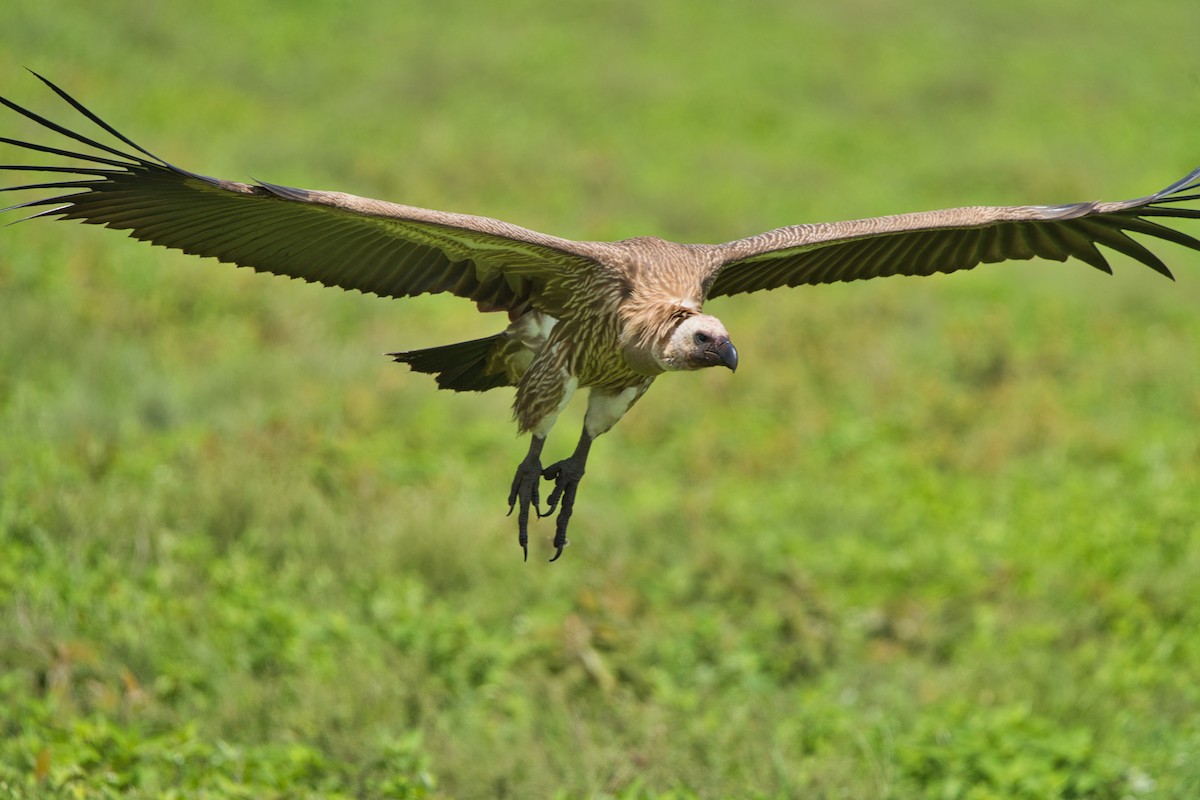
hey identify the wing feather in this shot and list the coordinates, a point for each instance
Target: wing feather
(325, 237)
(953, 239)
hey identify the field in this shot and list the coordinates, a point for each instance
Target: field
(936, 538)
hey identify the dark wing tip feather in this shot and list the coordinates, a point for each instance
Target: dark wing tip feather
(41, 148)
(59, 129)
(82, 109)
(41, 201)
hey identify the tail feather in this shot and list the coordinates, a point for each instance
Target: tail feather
(461, 367)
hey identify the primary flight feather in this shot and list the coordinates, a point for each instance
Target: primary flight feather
(607, 316)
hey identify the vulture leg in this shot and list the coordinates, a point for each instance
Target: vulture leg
(566, 475)
(605, 407)
(525, 490)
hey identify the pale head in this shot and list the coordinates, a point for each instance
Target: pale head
(698, 341)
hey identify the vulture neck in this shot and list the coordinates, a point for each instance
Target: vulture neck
(648, 328)
(667, 287)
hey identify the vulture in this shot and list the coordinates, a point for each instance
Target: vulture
(606, 316)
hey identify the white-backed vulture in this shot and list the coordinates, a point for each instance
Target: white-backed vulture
(608, 316)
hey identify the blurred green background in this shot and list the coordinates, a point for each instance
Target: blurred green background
(936, 538)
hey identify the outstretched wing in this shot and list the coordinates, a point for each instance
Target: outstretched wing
(325, 237)
(951, 240)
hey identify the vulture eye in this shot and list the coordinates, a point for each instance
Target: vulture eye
(703, 338)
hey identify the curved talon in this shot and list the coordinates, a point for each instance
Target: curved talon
(552, 473)
(551, 504)
(552, 500)
(533, 501)
(558, 552)
(534, 504)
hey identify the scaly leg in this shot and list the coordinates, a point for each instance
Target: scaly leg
(525, 490)
(566, 475)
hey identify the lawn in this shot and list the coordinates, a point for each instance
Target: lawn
(936, 538)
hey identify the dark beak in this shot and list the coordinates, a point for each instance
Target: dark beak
(728, 354)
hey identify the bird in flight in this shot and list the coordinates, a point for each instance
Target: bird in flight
(606, 316)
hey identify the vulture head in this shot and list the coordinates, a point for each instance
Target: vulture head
(699, 341)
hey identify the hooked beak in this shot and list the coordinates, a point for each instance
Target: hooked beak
(728, 354)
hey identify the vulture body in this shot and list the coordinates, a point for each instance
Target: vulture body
(606, 316)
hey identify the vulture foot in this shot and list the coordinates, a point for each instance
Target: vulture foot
(566, 475)
(525, 492)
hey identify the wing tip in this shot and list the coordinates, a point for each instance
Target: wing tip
(1187, 182)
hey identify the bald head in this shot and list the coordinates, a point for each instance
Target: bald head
(699, 341)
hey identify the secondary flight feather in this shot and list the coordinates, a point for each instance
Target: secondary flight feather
(606, 316)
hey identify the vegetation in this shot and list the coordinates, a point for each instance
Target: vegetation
(937, 538)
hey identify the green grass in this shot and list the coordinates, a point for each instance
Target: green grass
(937, 538)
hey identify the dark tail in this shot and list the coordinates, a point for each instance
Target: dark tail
(461, 367)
